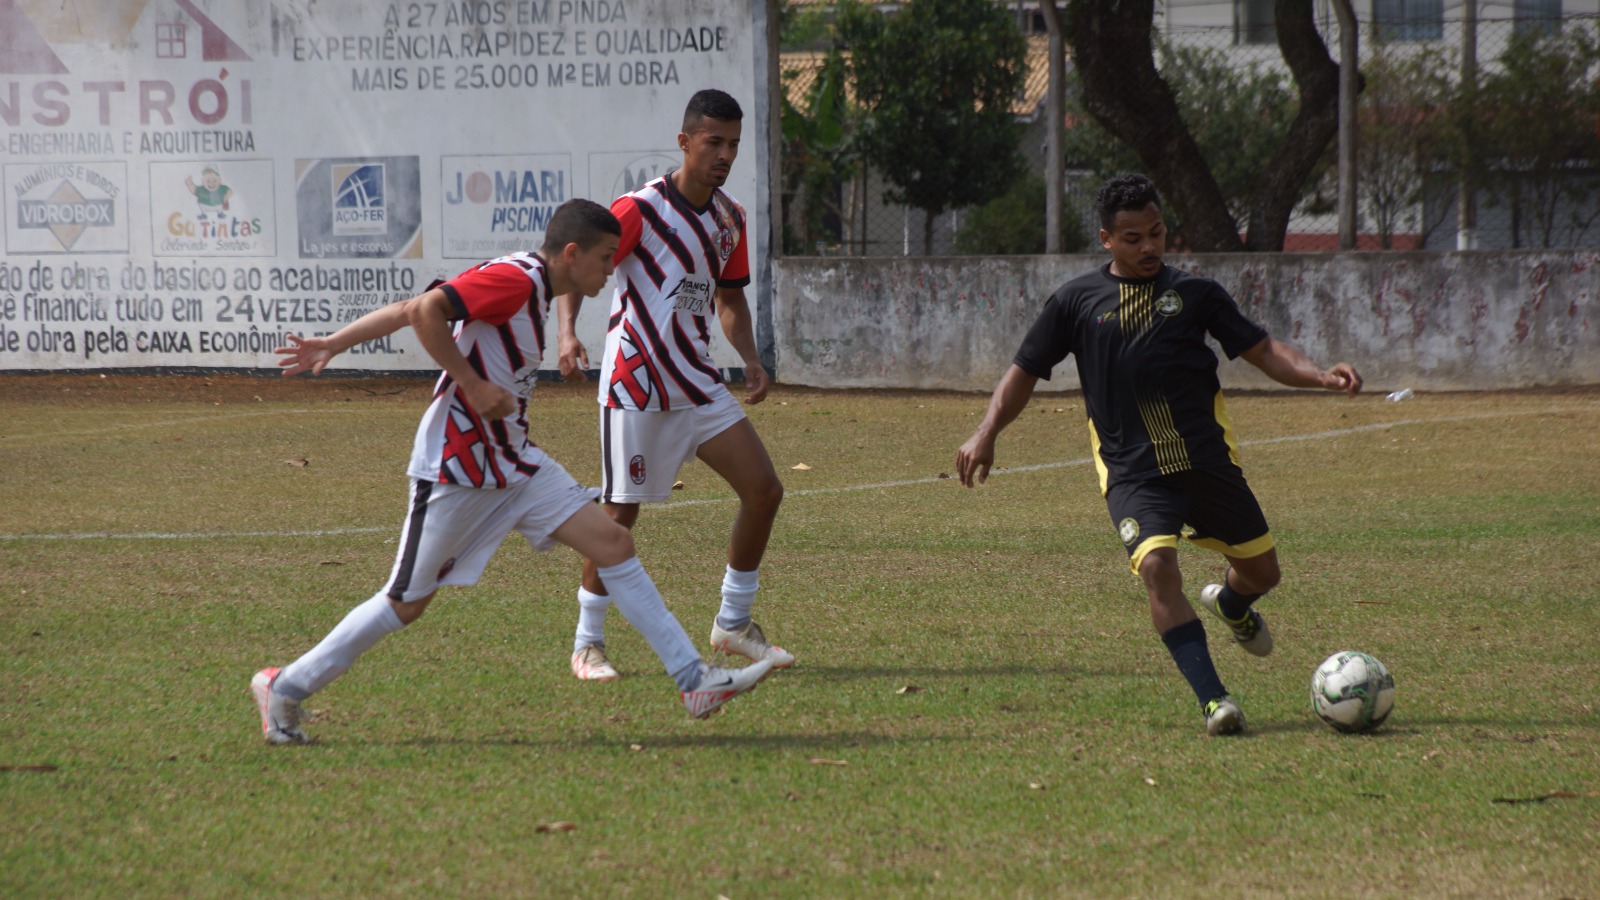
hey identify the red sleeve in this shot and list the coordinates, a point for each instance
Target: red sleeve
(627, 212)
(736, 271)
(491, 294)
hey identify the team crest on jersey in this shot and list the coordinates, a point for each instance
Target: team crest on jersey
(1169, 304)
(636, 469)
(724, 242)
(1109, 315)
(1128, 530)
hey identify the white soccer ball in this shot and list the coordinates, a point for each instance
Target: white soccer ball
(1352, 691)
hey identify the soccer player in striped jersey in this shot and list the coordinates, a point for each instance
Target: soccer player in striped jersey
(1163, 445)
(683, 258)
(475, 475)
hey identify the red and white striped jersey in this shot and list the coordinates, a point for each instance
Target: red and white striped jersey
(672, 258)
(500, 306)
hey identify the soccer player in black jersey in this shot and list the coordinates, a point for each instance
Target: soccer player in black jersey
(1162, 442)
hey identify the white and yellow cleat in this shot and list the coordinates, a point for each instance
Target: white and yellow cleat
(589, 663)
(1250, 632)
(1224, 717)
(749, 641)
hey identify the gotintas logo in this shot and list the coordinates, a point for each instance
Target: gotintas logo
(358, 199)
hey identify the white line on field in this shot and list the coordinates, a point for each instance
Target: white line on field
(807, 492)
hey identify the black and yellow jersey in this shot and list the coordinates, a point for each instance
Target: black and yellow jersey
(1149, 379)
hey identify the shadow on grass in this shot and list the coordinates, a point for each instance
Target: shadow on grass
(810, 741)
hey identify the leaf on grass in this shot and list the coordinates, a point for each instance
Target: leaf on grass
(1035, 786)
(298, 463)
(1371, 796)
(1372, 603)
(1150, 781)
(817, 760)
(1553, 795)
(944, 475)
(552, 827)
(909, 689)
(1431, 754)
(677, 485)
(791, 796)
(331, 562)
(801, 466)
(636, 747)
(42, 767)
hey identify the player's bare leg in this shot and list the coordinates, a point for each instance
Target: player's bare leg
(739, 457)
(1232, 601)
(1185, 637)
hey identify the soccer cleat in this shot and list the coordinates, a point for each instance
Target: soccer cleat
(718, 686)
(280, 715)
(1223, 716)
(1251, 632)
(748, 641)
(590, 664)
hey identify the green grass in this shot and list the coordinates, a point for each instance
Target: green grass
(981, 707)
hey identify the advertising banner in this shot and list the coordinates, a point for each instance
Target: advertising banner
(188, 182)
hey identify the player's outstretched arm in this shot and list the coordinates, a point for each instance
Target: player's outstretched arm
(311, 354)
(1010, 398)
(1287, 365)
(571, 356)
(733, 311)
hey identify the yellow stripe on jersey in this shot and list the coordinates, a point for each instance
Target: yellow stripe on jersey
(1136, 307)
(1099, 464)
(1172, 455)
(1227, 429)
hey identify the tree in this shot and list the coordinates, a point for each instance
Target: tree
(817, 156)
(1538, 114)
(1238, 114)
(936, 82)
(1404, 128)
(1013, 223)
(1124, 92)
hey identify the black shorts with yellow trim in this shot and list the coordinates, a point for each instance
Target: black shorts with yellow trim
(1210, 508)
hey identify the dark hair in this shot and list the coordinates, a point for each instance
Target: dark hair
(581, 222)
(710, 104)
(1124, 193)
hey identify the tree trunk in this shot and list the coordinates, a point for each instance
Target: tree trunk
(1314, 127)
(1127, 96)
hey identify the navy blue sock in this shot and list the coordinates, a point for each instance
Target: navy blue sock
(1187, 644)
(1232, 604)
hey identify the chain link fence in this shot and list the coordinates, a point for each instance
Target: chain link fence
(1520, 154)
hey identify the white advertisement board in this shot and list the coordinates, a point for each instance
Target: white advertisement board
(186, 182)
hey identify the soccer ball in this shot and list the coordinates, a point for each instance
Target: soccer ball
(1352, 691)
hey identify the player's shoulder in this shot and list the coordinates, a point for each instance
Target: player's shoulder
(1185, 280)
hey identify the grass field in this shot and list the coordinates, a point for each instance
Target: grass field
(980, 708)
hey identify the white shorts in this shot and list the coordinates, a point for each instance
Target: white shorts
(641, 452)
(451, 530)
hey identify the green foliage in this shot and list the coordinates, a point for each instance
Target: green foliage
(1238, 115)
(1404, 126)
(1538, 112)
(936, 81)
(818, 154)
(1014, 223)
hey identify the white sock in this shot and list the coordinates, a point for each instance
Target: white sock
(591, 619)
(361, 629)
(738, 595)
(636, 597)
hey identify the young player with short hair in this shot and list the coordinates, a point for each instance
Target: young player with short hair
(475, 475)
(1162, 441)
(683, 258)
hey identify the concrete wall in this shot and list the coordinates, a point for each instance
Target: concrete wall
(1439, 321)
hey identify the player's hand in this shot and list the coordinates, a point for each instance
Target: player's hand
(756, 383)
(1343, 377)
(974, 459)
(304, 355)
(488, 399)
(573, 359)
